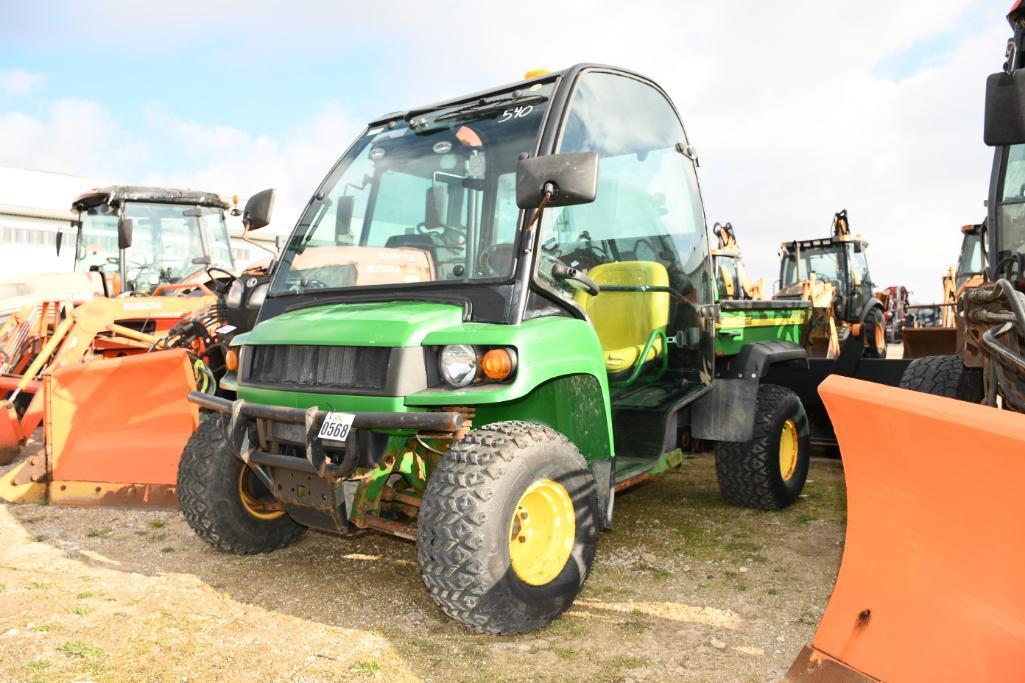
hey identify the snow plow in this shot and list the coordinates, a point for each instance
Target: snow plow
(106, 379)
(929, 586)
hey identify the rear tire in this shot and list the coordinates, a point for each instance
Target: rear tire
(211, 485)
(472, 521)
(874, 332)
(944, 376)
(768, 472)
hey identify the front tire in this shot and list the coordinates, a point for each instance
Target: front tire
(944, 376)
(508, 528)
(224, 503)
(768, 472)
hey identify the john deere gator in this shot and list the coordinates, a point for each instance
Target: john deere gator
(496, 313)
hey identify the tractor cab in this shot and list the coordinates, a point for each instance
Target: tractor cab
(143, 237)
(839, 261)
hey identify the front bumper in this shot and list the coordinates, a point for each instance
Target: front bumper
(252, 427)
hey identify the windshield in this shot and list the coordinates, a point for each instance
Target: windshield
(824, 262)
(434, 200)
(170, 242)
(1011, 212)
(970, 262)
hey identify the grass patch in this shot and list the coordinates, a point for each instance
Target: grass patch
(81, 648)
(565, 653)
(155, 524)
(85, 596)
(772, 591)
(804, 518)
(167, 549)
(368, 667)
(39, 585)
(43, 628)
(421, 643)
(102, 532)
(37, 665)
(82, 610)
(626, 662)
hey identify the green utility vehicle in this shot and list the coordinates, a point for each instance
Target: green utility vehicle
(474, 339)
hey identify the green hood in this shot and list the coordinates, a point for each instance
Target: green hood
(389, 323)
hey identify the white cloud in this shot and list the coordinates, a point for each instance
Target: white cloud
(18, 81)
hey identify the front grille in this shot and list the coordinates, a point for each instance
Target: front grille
(315, 367)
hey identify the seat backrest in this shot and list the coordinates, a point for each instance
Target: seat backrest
(415, 241)
(624, 319)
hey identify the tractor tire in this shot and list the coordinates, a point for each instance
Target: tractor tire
(221, 499)
(488, 563)
(944, 376)
(874, 331)
(768, 472)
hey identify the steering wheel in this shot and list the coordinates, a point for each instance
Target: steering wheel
(449, 237)
(215, 284)
(496, 260)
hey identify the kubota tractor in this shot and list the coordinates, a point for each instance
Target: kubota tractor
(476, 340)
(104, 377)
(833, 275)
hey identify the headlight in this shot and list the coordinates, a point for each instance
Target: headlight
(458, 364)
(234, 298)
(258, 295)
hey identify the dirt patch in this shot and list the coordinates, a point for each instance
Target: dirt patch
(685, 587)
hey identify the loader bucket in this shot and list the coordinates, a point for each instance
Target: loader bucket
(920, 342)
(116, 429)
(930, 584)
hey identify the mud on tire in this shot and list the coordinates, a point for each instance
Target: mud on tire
(467, 516)
(750, 473)
(209, 477)
(944, 376)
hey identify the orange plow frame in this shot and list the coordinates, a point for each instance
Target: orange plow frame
(115, 430)
(930, 587)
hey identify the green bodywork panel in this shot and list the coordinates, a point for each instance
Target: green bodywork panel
(739, 327)
(560, 380)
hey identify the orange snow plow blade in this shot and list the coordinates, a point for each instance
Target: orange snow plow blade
(930, 585)
(115, 430)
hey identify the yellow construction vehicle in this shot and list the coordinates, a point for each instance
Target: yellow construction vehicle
(731, 279)
(832, 274)
(933, 335)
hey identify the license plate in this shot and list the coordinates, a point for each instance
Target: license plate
(336, 426)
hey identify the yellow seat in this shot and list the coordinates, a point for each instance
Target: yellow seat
(625, 321)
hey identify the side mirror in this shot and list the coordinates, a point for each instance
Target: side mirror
(436, 206)
(343, 218)
(1005, 109)
(124, 233)
(258, 210)
(572, 179)
(60, 238)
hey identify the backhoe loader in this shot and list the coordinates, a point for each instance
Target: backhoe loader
(832, 274)
(104, 377)
(940, 335)
(929, 586)
(475, 340)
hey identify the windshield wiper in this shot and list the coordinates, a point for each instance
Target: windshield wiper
(491, 106)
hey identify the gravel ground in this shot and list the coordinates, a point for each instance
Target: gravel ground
(684, 588)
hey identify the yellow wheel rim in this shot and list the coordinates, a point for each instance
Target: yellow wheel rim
(250, 502)
(542, 533)
(788, 450)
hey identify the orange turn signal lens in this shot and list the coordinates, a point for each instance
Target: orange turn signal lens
(231, 360)
(498, 364)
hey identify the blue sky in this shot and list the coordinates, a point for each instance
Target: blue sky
(797, 108)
